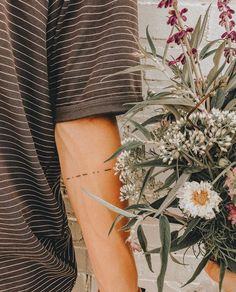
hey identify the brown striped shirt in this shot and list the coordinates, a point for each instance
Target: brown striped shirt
(53, 55)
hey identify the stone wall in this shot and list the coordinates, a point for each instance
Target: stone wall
(176, 274)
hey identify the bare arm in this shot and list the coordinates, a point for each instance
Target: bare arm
(83, 145)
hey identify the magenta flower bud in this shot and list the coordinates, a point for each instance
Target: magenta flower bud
(229, 35)
(231, 24)
(189, 29)
(166, 3)
(194, 51)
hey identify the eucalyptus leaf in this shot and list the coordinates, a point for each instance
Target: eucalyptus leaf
(216, 59)
(231, 84)
(108, 205)
(214, 76)
(208, 54)
(165, 237)
(161, 94)
(141, 48)
(231, 69)
(117, 219)
(154, 119)
(142, 129)
(151, 44)
(145, 181)
(205, 49)
(230, 105)
(153, 162)
(143, 242)
(174, 259)
(222, 274)
(198, 270)
(195, 36)
(169, 181)
(204, 25)
(194, 222)
(172, 194)
(126, 146)
(219, 99)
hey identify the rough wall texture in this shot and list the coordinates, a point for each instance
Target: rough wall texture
(176, 274)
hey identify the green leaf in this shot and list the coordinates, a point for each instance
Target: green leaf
(160, 95)
(194, 222)
(231, 69)
(143, 242)
(198, 270)
(206, 48)
(190, 239)
(108, 205)
(172, 194)
(214, 76)
(151, 44)
(127, 146)
(129, 224)
(204, 24)
(231, 84)
(194, 42)
(208, 54)
(188, 72)
(145, 181)
(117, 219)
(153, 120)
(141, 48)
(165, 237)
(219, 99)
(216, 59)
(153, 162)
(169, 181)
(222, 274)
(174, 259)
(142, 129)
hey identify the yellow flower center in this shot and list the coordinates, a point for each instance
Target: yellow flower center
(200, 198)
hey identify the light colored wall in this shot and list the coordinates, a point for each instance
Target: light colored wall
(176, 274)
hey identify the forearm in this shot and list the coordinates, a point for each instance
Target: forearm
(83, 146)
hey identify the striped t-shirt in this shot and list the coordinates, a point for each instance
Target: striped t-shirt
(53, 54)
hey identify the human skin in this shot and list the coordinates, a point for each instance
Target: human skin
(83, 145)
(229, 282)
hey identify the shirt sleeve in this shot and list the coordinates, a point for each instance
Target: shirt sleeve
(90, 40)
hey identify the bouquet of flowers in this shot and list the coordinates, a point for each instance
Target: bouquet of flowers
(192, 140)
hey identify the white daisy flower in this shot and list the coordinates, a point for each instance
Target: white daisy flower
(198, 199)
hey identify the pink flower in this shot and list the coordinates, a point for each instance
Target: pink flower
(178, 37)
(231, 24)
(229, 35)
(181, 59)
(232, 213)
(166, 3)
(222, 4)
(230, 182)
(172, 20)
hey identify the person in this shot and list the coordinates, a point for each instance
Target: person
(58, 119)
